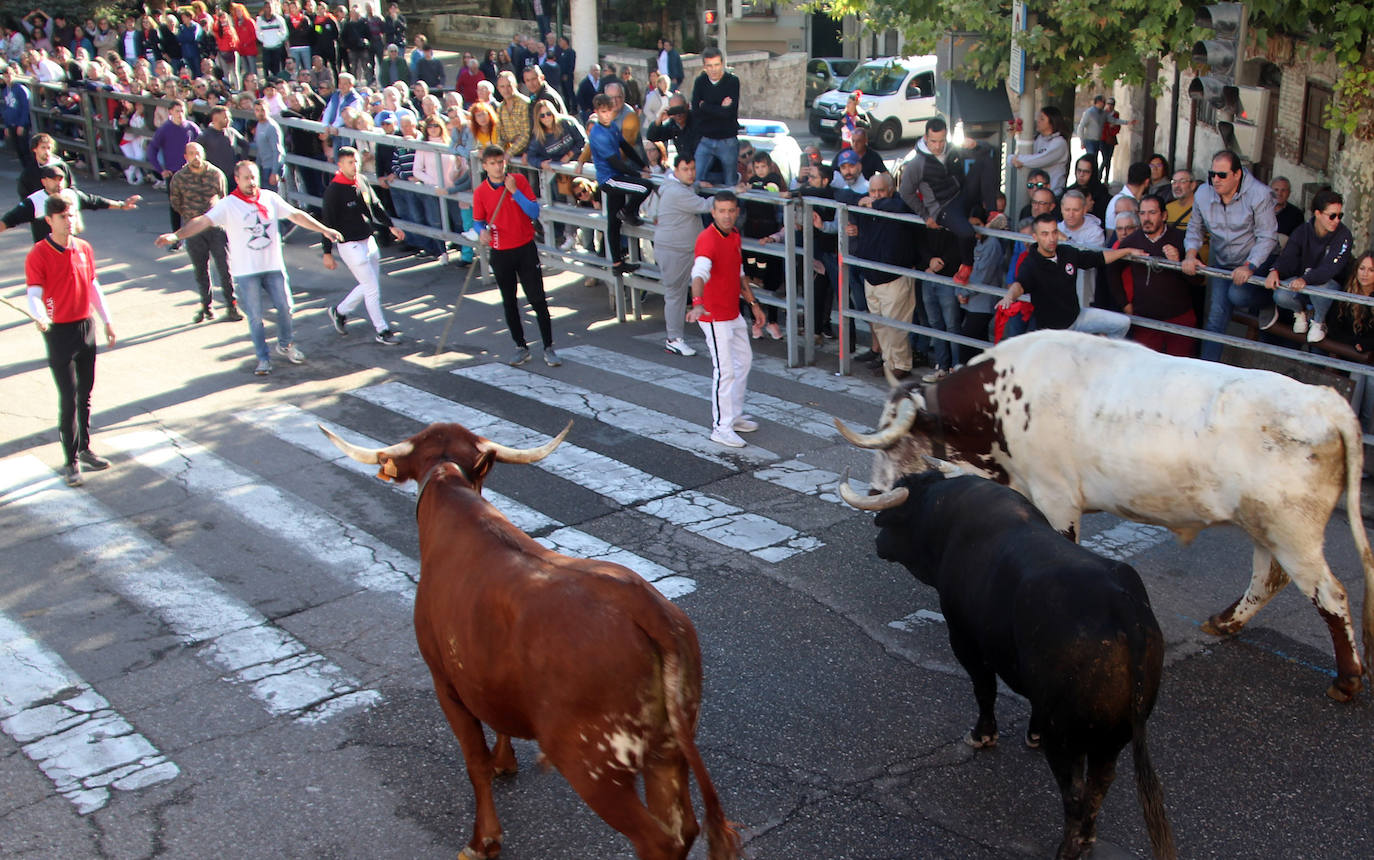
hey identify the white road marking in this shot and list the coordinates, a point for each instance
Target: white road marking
(808, 479)
(611, 478)
(633, 418)
(814, 376)
(1126, 539)
(813, 422)
(712, 518)
(285, 676)
(298, 427)
(919, 618)
(68, 729)
(351, 552)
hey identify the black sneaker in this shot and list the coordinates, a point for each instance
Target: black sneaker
(232, 314)
(92, 460)
(203, 314)
(1268, 317)
(623, 268)
(340, 321)
(71, 473)
(630, 216)
(388, 337)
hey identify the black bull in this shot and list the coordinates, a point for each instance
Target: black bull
(1067, 629)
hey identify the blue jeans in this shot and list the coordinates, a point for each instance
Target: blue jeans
(252, 291)
(1098, 321)
(410, 208)
(433, 218)
(718, 160)
(302, 57)
(1224, 296)
(1295, 301)
(942, 312)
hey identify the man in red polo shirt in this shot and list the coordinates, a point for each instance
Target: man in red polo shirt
(718, 285)
(60, 272)
(509, 230)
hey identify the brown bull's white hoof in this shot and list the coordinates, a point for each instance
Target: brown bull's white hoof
(1212, 627)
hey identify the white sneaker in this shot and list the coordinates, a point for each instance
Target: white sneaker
(727, 437)
(293, 355)
(679, 346)
(568, 244)
(744, 425)
(1300, 322)
(1316, 333)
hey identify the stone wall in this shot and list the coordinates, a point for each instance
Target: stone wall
(771, 87)
(475, 33)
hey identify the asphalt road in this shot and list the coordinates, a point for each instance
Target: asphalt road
(224, 616)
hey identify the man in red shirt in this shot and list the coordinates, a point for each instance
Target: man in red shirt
(509, 230)
(60, 272)
(718, 284)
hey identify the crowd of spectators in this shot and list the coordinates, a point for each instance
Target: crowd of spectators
(355, 69)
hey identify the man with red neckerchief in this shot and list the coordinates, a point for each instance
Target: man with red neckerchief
(352, 208)
(62, 289)
(718, 285)
(249, 216)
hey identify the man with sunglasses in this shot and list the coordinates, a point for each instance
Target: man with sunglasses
(1317, 253)
(1236, 211)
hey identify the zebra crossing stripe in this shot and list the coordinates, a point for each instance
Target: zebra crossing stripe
(812, 422)
(279, 671)
(290, 424)
(68, 729)
(1126, 539)
(640, 420)
(711, 518)
(615, 480)
(350, 551)
(806, 478)
(813, 376)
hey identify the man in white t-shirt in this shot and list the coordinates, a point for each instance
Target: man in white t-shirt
(249, 217)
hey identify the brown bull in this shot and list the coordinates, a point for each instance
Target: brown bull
(585, 657)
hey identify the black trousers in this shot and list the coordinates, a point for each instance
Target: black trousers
(622, 192)
(71, 356)
(201, 248)
(522, 263)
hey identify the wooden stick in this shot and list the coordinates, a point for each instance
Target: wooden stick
(467, 279)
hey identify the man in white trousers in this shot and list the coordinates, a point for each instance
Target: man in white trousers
(352, 208)
(679, 223)
(718, 286)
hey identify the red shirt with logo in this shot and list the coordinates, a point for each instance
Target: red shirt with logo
(720, 297)
(511, 228)
(67, 276)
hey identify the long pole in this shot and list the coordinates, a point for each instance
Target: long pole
(482, 260)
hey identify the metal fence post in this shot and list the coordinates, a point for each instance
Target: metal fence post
(841, 222)
(808, 267)
(789, 276)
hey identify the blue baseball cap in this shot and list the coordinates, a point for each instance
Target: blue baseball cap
(385, 116)
(847, 156)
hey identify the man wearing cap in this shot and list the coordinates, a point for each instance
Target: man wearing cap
(194, 189)
(849, 173)
(54, 183)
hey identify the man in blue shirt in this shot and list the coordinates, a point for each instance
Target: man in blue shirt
(625, 190)
(17, 118)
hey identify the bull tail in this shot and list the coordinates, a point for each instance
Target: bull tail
(722, 840)
(1147, 784)
(1353, 438)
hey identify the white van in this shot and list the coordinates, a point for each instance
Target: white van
(898, 97)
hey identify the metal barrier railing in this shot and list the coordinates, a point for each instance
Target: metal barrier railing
(97, 141)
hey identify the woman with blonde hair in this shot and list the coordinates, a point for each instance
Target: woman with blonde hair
(434, 169)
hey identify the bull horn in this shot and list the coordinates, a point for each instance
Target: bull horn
(525, 455)
(948, 469)
(366, 455)
(888, 436)
(881, 502)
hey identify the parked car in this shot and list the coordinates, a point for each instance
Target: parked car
(898, 97)
(774, 138)
(824, 74)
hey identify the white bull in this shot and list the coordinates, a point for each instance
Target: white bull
(1078, 424)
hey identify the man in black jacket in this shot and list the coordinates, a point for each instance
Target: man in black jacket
(54, 182)
(353, 209)
(587, 90)
(715, 104)
(893, 243)
(677, 128)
